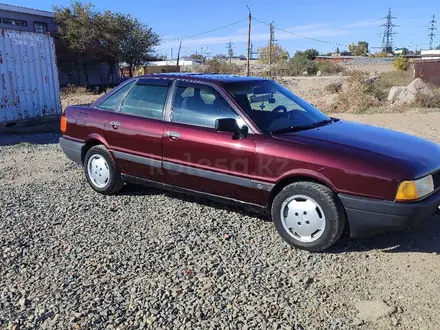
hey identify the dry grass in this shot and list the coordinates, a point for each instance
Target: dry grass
(428, 101)
(395, 78)
(334, 87)
(73, 90)
(358, 94)
(77, 95)
(361, 92)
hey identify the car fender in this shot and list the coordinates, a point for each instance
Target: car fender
(306, 173)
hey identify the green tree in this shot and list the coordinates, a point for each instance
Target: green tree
(137, 43)
(301, 63)
(198, 57)
(338, 51)
(278, 54)
(105, 36)
(76, 29)
(361, 49)
(220, 57)
(311, 53)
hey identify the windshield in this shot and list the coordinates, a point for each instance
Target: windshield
(273, 107)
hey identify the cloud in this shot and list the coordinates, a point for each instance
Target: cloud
(364, 23)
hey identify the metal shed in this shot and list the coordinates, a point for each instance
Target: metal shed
(428, 70)
(29, 87)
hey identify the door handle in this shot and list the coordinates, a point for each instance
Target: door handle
(173, 135)
(115, 124)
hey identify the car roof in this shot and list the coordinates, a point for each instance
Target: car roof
(205, 77)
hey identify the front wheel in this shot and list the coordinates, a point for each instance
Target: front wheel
(101, 171)
(308, 215)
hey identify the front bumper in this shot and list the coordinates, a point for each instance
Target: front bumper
(72, 149)
(372, 216)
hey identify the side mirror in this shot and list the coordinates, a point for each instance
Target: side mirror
(230, 125)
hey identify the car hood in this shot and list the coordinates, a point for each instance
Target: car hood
(422, 155)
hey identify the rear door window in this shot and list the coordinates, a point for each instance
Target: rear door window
(146, 100)
(113, 101)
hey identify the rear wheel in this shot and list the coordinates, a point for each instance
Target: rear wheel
(308, 215)
(101, 171)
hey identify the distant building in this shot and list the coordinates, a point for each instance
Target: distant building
(433, 54)
(26, 19)
(173, 62)
(401, 51)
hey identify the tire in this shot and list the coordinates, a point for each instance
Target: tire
(308, 216)
(105, 177)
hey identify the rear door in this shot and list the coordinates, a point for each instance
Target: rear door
(134, 131)
(198, 157)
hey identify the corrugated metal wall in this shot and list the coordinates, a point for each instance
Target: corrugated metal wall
(29, 86)
(428, 70)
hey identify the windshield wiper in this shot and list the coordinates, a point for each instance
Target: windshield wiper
(297, 128)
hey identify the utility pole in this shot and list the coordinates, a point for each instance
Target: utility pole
(249, 51)
(432, 29)
(178, 52)
(271, 40)
(387, 41)
(230, 50)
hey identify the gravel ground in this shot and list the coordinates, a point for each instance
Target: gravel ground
(71, 258)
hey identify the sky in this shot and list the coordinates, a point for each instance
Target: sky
(299, 25)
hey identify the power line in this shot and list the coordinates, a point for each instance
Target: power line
(432, 29)
(387, 40)
(205, 32)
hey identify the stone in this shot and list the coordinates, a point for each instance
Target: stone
(319, 74)
(394, 93)
(373, 310)
(405, 96)
(419, 86)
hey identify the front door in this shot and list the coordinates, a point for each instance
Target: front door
(198, 157)
(134, 131)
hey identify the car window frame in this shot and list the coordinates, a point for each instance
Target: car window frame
(191, 83)
(149, 82)
(113, 91)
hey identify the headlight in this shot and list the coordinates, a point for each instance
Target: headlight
(413, 190)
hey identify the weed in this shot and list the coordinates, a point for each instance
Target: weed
(428, 101)
(334, 87)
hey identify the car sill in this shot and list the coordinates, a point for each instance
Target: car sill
(255, 207)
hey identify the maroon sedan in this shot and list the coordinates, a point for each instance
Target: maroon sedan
(250, 141)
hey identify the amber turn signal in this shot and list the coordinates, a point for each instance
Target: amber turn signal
(413, 190)
(63, 124)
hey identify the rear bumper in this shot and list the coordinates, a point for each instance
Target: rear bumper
(371, 216)
(72, 149)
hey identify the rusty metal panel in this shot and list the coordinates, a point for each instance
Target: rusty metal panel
(29, 87)
(428, 71)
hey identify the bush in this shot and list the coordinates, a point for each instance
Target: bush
(298, 64)
(360, 93)
(329, 68)
(334, 87)
(401, 63)
(221, 66)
